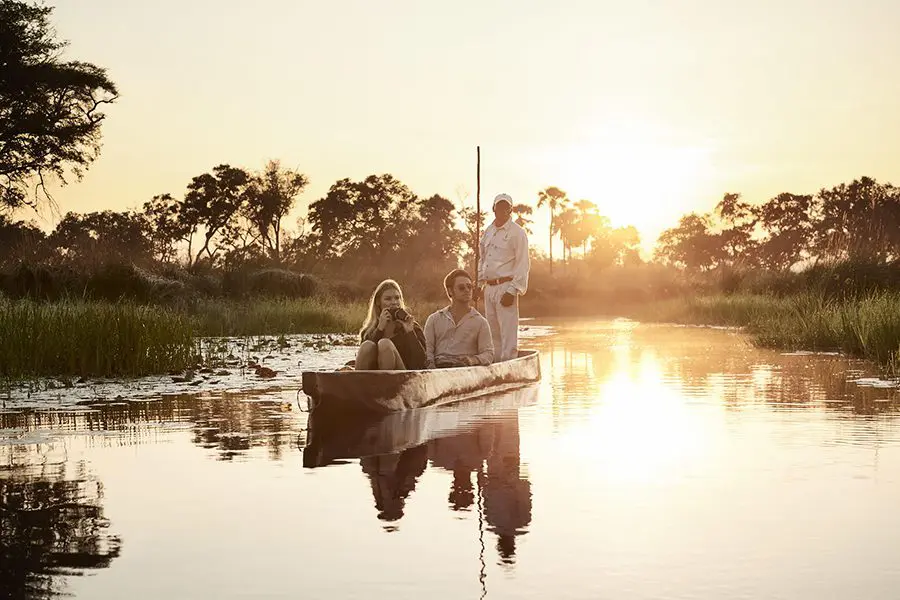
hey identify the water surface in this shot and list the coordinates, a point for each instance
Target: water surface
(651, 461)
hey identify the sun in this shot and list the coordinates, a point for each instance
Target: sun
(636, 175)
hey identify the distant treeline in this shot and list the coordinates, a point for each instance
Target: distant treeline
(231, 221)
(225, 236)
(857, 222)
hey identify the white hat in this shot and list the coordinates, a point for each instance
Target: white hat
(503, 198)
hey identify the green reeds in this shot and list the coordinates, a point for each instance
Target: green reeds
(75, 338)
(867, 326)
(277, 316)
(86, 338)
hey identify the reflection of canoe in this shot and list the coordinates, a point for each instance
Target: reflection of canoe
(388, 391)
(332, 437)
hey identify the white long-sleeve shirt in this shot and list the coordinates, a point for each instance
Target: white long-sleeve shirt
(504, 253)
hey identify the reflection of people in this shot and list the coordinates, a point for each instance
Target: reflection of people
(503, 276)
(462, 454)
(393, 477)
(458, 335)
(390, 338)
(507, 494)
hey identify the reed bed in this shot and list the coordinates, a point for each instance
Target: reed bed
(84, 338)
(277, 317)
(867, 326)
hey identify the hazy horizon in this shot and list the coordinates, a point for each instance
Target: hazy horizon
(650, 112)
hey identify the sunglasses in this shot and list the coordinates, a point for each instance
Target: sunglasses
(464, 286)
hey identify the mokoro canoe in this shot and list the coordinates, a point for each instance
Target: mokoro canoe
(382, 392)
(334, 437)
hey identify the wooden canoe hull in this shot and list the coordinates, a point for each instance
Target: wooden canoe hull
(383, 392)
(332, 438)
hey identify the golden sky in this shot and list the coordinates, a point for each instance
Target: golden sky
(649, 108)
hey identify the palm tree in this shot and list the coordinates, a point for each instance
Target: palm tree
(567, 225)
(555, 199)
(587, 213)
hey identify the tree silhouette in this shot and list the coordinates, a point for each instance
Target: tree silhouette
(858, 221)
(50, 114)
(787, 222)
(106, 236)
(271, 196)
(363, 219)
(567, 226)
(587, 223)
(690, 245)
(556, 200)
(165, 227)
(523, 213)
(18, 240)
(738, 220)
(212, 202)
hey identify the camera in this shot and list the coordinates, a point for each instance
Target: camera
(398, 314)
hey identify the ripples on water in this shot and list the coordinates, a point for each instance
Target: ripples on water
(651, 461)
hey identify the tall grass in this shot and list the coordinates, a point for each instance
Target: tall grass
(867, 326)
(72, 338)
(274, 316)
(81, 338)
(75, 338)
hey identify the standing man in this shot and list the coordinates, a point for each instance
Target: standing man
(503, 276)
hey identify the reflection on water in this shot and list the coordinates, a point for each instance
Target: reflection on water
(478, 443)
(650, 461)
(393, 477)
(51, 521)
(228, 423)
(489, 451)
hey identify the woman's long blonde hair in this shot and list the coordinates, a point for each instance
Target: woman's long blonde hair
(375, 307)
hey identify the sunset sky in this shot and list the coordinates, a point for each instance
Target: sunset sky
(650, 109)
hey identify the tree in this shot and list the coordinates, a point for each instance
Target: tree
(102, 237)
(786, 221)
(523, 214)
(213, 200)
(555, 199)
(164, 227)
(473, 223)
(586, 223)
(437, 238)
(567, 226)
(369, 219)
(738, 220)
(690, 245)
(50, 116)
(18, 240)
(271, 196)
(858, 221)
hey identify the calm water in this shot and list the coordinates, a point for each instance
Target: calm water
(650, 462)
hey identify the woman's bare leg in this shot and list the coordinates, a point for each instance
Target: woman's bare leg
(388, 356)
(367, 356)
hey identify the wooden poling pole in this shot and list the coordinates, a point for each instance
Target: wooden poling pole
(477, 215)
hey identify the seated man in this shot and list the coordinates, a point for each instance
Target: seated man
(458, 335)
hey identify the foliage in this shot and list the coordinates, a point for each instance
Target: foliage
(50, 109)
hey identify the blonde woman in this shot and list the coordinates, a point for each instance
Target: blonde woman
(390, 339)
